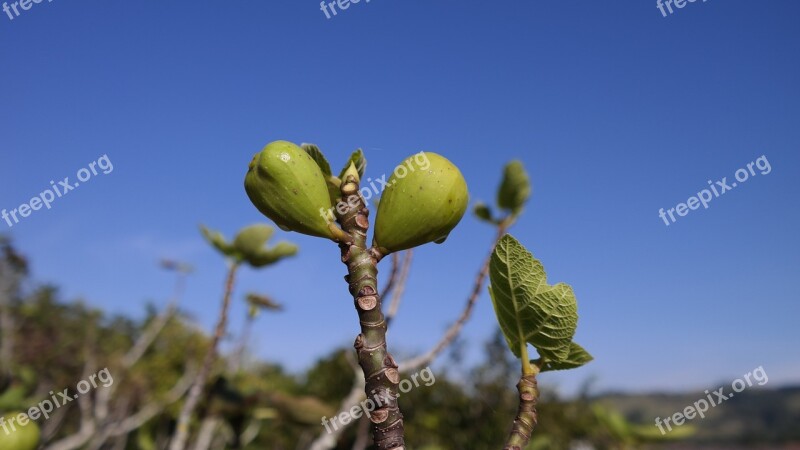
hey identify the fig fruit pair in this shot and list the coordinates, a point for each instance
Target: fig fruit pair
(423, 201)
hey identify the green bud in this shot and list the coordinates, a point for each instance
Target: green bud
(515, 188)
(286, 185)
(22, 437)
(424, 200)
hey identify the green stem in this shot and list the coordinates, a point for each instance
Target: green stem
(380, 369)
(526, 413)
(527, 367)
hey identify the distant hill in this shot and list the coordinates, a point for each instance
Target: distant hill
(754, 418)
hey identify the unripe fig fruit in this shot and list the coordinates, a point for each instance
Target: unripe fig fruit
(424, 200)
(287, 186)
(20, 437)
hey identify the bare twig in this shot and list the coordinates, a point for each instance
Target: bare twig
(393, 273)
(326, 440)
(52, 426)
(362, 435)
(454, 330)
(155, 407)
(146, 339)
(206, 434)
(250, 433)
(85, 432)
(88, 425)
(121, 411)
(143, 342)
(400, 288)
(182, 433)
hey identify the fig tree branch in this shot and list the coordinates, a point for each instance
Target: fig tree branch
(182, 432)
(397, 292)
(393, 274)
(327, 441)
(526, 418)
(455, 329)
(142, 344)
(380, 370)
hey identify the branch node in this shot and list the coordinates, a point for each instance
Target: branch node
(368, 303)
(393, 375)
(379, 416)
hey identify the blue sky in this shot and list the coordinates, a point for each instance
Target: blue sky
(615, 111)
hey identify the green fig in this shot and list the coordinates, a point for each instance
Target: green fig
(286, 185)
(424, 200)
(16, 436)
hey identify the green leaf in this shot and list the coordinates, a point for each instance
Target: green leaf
(357, 159)
(483, 212)
(267, 256)
(216, 239)
(251, 239)
(331, 181)
(576, 358)
(529, 310)
(249, 246)
(515, 188)
(263, 302)
(318, 157)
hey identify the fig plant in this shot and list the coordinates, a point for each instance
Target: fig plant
(294, 187)
(248, 247)
(512, 195)
(532, 312)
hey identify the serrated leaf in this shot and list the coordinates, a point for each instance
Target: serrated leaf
(515, 189)
(528, 309)
(483, 212)
(318, 157)
(577, 357)
(357, 159)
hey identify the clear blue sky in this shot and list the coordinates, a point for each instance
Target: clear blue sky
(615, 110)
